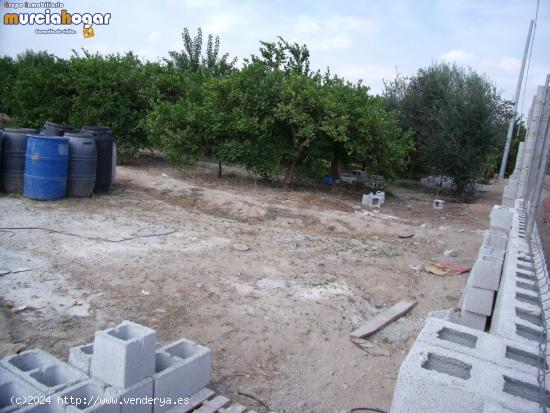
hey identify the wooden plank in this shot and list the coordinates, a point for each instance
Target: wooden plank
(234, 408)
(381, 320)
(212, 406)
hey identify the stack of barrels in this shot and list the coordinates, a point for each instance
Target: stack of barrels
(57, 162)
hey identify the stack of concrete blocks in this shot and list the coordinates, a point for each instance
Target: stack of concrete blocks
(123, 362)
(476, 304)
(373, 200)
(439, 181)
(455, 369)
(33, 373)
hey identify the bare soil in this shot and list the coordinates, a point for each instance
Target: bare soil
(276, 316)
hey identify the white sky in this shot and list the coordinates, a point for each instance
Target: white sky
(366, 40)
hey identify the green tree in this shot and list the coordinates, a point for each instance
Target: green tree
(456, 116)
(107, 90)
(38, 90)
(191, 58)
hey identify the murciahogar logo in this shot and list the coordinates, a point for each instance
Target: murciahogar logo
(63, 18)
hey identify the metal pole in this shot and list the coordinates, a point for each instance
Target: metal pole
(541, 172)
(516, 100)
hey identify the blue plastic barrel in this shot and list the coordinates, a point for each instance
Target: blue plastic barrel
(46, 167)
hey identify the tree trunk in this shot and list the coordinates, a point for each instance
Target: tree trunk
(219, 169)
(289, 175)
(334, 170)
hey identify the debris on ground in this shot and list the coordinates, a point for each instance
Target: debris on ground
(381, 320)
(241, 247)
(443, 269)
(451, 253)
(416, 268)
(366, 347)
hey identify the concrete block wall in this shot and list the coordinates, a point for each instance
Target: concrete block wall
(486, 357)
(478, 300)
(436, 379)
(123, 362)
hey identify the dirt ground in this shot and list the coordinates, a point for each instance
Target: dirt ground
(276, 316)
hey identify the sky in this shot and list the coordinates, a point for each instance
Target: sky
(370, 40)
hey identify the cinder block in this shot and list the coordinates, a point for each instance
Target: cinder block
(435, 379)
(488, 348)
(28, 361)
(88, 396)
(438, 204)
(501, 218)
(477, 300)
(81, 357)
(495, 240)
(13, 390)
(492, 252)
(486, 272)
(124, 355)
(371, 200)
(142, 392)
(43, 371)
(472, 320)
(182, 369)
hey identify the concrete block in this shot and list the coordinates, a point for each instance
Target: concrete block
(142, 392)
(472, 320)
(477, 300)
(15, 392)
(488, 348)
(182, 369)
(88, 396)
(81, 357)
(43, 371)
(495, 240)
(124, 355)
(438, 204)
(501, 218)
(486, 272)
(381, 196)
(371, 200)
(434, 379)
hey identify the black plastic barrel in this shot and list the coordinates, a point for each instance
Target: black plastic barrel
(14, 144)
(104, 145)
(82, 164)
(55, 129)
